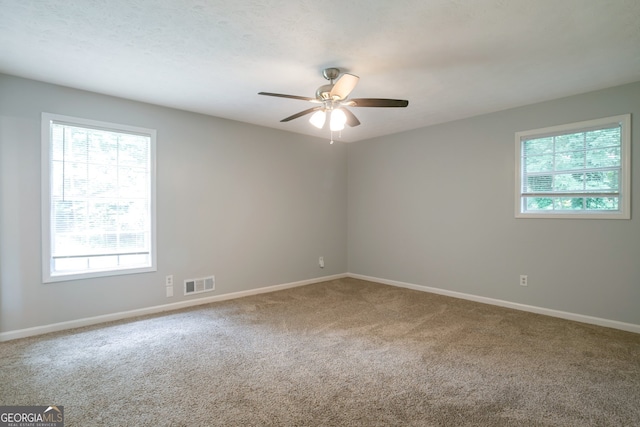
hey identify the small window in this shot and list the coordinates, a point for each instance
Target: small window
(579, 170)
(98, 198)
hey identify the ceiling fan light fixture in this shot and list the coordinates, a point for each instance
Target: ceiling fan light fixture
(318, 118)
(338, 120)
(333, 99)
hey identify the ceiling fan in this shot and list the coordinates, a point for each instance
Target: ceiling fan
(332, 100)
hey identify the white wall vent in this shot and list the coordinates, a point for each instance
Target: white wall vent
(203, 284)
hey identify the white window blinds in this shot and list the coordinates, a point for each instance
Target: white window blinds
(100, 201)
(574, 169)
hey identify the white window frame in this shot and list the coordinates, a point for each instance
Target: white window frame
(624, 204)
(46, 156)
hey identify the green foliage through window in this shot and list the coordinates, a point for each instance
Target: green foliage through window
(573, 169)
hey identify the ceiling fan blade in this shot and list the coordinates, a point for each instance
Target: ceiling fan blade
(352, 120)
(377, 102)
(280, 95)
(302, 113)
(343, 87)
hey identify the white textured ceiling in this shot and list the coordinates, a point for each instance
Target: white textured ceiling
(450, 58)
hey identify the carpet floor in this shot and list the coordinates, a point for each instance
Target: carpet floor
(339, 353)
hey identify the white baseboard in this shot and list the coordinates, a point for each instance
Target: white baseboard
(630, 327)
(55, 327)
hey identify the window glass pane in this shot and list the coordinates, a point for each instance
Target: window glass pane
(133, 182)
(103, 262)
(103, 216)
(568, 203)
(70, 264)
(103, 148)
(132, 260)
(571, 142)
(131, 215)
(57, 142)
(69, 216)
(539, 203)
(57, 179)
(133, 150)
(568, 182)
(69, 244)
(603, 158)
(538, 163)
(101, 243)
(103, 181)
(539, 183)
(535, 147)
(133, 242)
(603, 138)
(602, 203)
(75, 176)
(605, 181)
(100, 195)
(569, 161)
(75, 144)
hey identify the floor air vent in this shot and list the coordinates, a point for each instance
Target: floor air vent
(195, 286)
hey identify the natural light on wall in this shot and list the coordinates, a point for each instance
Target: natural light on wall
(98, 198)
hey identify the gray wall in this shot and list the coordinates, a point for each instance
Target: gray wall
(435, 207)
(256, 207)
(253, 206)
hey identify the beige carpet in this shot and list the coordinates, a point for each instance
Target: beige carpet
(339, 353)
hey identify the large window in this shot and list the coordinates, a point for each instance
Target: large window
(98, 198)
(579, 170)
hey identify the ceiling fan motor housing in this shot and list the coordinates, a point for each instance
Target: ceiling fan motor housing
(331, 73)
(324, 92)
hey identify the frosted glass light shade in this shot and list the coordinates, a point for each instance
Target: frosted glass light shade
(318, 118)
(338, 119)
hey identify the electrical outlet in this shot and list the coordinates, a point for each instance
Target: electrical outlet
(523, 280)
(168, 281)
(321, 262)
